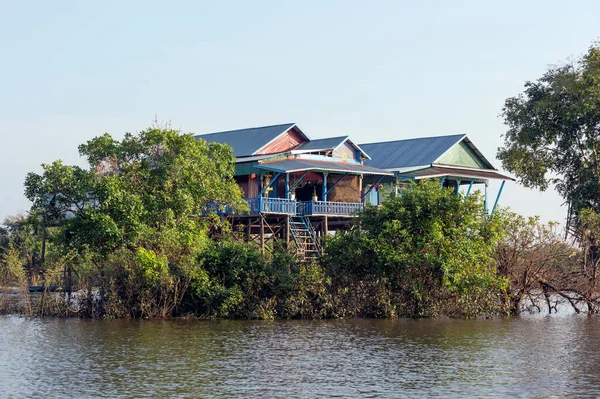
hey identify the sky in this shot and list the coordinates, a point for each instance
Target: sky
(381, 70)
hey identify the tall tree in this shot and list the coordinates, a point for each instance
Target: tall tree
(553, 133)
(135, 215)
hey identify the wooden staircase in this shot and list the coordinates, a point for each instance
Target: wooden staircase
(305, 238)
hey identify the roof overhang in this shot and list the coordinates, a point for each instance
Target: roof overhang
(457, 172)
(296, 165)
(259, 157)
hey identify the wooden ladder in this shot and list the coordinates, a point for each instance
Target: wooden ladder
(305, 238)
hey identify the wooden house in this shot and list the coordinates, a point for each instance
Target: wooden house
(297, 188)
(453, 159)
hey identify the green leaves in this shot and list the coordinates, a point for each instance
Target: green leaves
(553, 134)
(137, 212)
(429, 243)
(152, 267)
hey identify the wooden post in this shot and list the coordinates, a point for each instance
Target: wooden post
(248, 230)
(360, 188)
(325, 226)
(262, 235)
(287, 231)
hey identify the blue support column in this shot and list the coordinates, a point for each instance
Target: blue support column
(287, 185)
(324, 188)
(457, 188)
(470, 187)
(260, 194)
(485, 199)
(273, 180)
(498, 196)
(260, 201)
(442, 181)
(371, 188)
(298, 181)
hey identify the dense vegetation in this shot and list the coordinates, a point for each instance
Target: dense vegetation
(141, 239)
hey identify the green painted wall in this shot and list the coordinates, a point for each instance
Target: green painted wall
(246, 168)
(461, 155)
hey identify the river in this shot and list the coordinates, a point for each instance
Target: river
(530, 356)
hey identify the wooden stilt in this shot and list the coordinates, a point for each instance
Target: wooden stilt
(325, 226)
(287, 231)
(248, 230)
(262, 235)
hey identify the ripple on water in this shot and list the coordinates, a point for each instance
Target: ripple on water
(517, 357)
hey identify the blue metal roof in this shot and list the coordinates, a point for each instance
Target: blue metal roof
(406, 153)
(299, 165)
(246, 142)
(322, 144)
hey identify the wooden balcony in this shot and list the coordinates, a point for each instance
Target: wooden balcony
(279, 206)
(329, 208)
(282, 206)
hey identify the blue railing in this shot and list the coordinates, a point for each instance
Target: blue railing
(272, 205)
(329, 208)
(291, 207)
(219, 209)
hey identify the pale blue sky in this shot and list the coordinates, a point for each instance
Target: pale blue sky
(381, 70)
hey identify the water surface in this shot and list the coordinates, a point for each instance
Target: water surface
(516, 357)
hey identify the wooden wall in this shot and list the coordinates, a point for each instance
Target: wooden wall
(348, 190)
(248, 184)
(287, 141)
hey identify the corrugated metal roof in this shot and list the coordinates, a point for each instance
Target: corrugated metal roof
(299, 165)
(246, 142)
(411, 152)
(322, 144)
(438, 171)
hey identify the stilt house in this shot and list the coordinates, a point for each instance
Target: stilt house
(297, 188)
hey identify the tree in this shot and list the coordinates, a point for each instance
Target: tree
(553, 133)
(23, 236)
(136, 216)
(433, 246)
(535, 260)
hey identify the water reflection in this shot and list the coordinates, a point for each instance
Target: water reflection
(516, 357)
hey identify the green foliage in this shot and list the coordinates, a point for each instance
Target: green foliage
(309, 296)
(135, 216)
(430, 244)
(553, 132)
(589, 239)
(23, 236)
(152, 267)
(237, 283)
(11, 268)
(135, 230)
